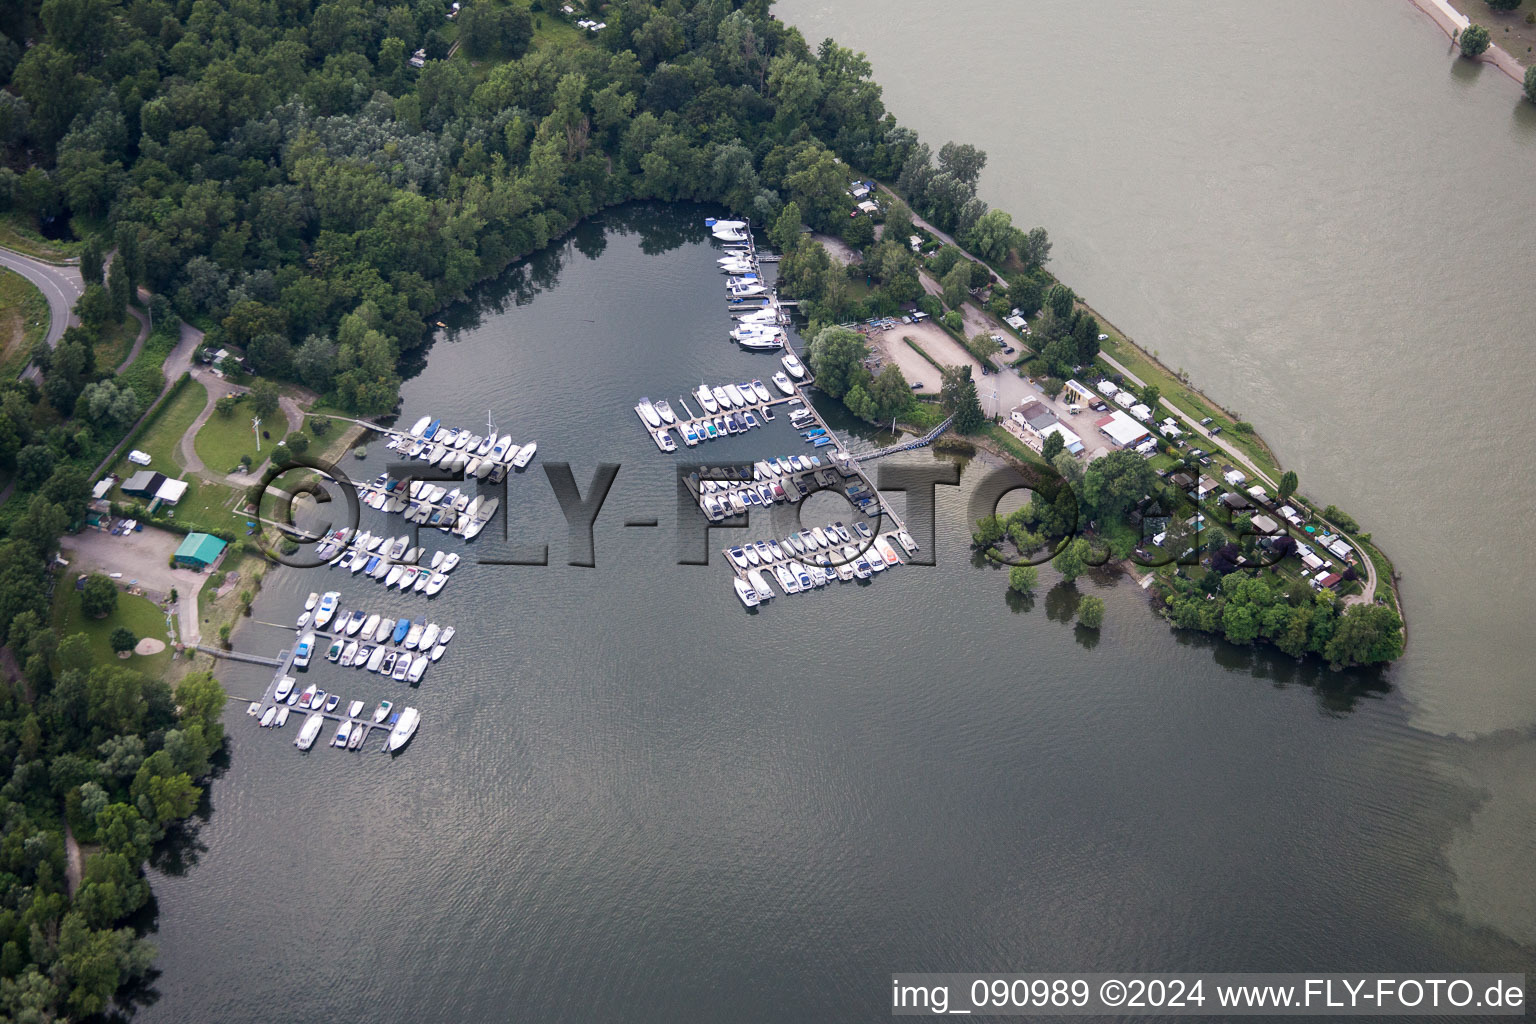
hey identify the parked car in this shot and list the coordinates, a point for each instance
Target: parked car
(1205, 422)
(1007, 349)
(917, 385)
(1215, 431)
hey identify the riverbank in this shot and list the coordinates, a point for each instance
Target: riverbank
(1508, 28)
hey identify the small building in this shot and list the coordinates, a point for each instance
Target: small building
(1070, 441)
(144, 484)
(915, 241)
(1236, 502)
(1077, 393)
(1326, 582)
(1233, 477)
(1264, 524)
(1015, 321)
(1341, 549)
(1121, 429)
(171, 492)
(859, 189)
(199, 551)
(869, 207)
(1183, 481)
(1204, 487)
(103, 488)
(1141, 412)
(138, 458)
(1107, 388)
(1034, 415)
(1124, 399)
(1259, 495)
(1310, 561)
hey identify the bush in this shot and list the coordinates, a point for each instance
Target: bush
(1090, 612)
(319, 425)
(99, 597)
(122, 639)
(954, 321)
(297, 442)
(1474, 40)
(1022, 578)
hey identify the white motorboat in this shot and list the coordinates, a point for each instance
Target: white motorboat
(437, 559)
(376, 658)
(361, 657)
(793, 365)
(358, 732)
(304, 651)
(303, 619)
(499, 449)
(746, 592)
(887, 552)
(326, 609)
(348, 652)
(437, 652)
(312, 726)
(737, 398)
(354, 708)
(485, 446)
(408, 577)
(402, 667)
(706, 399)
(382, 711)
(526, 452)
(429, 636)
(386, 627)
(404, 729)
(447, 635)
(721, 397)
(418, 669)
(421, 426)
(648, 412)
(282, 717)
(309, 603)
(451, 562)
(761, 391)
(395, 572)
(781, 381)
(307, 698)
(268, 716)
(786, 579)
(760, 584)
(664, 440)
(435, 583)
(665, 411)
(342, 734)
(907, 541)
(762, 342)
(284, 688)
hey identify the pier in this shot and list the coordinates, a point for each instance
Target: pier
(285, 668)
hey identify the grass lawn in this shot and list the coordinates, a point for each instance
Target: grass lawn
(139, 614)
(551, 31)
(162, 438)
(116, 342)
(224, 439)
(19, 231)
(23, 321)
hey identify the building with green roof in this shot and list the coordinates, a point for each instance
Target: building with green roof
(199, 551)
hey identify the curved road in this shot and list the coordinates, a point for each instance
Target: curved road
(61, 286)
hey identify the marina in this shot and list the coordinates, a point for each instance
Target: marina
(806, 559)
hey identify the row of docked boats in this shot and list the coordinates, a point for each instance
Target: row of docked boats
(432, 505)
(388, 560)
(352, 729)
(808, 559)
(786, 478)
(351, 734)
(454, 449)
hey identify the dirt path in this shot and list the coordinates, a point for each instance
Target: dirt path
(74, 864)
(138, 343)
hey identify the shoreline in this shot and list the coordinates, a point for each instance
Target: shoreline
(1451, 21)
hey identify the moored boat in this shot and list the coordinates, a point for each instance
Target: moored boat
(404, 729)
(312, 726)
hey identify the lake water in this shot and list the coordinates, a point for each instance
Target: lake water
(629, 800)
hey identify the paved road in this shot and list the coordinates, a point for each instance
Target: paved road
(61, 286)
